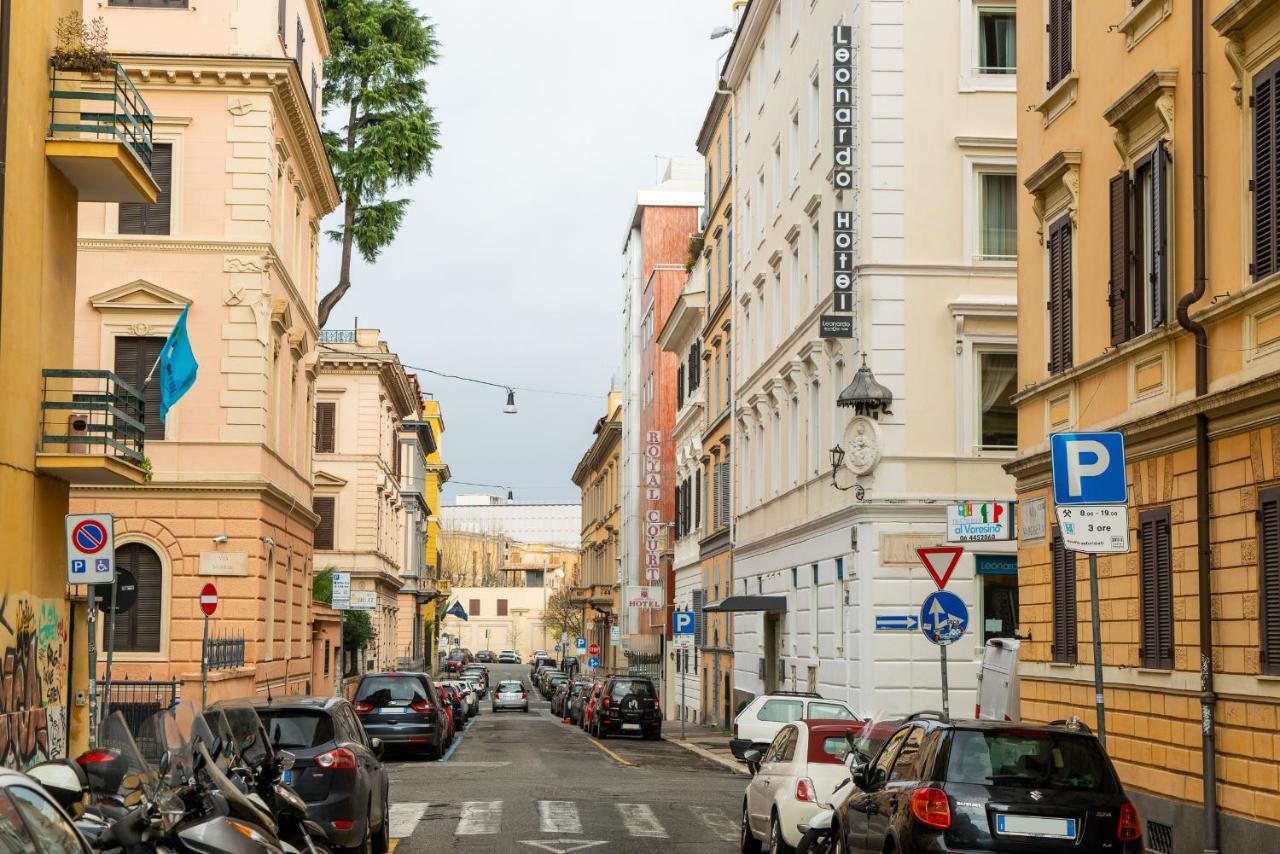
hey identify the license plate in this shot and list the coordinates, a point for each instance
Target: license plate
(288, 778)
(631, 726)
(393, 710)
(1034, 825)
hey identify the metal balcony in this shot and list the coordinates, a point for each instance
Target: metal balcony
(92, 428)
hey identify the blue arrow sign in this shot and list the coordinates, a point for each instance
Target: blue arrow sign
(1088, 468)
(897, 622)
(943, 618)
(593, 662)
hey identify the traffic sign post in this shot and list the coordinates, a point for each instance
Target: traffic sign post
(91, 558)
(593, 662)
(1091, 501)
(340, 599)
(208, 604)
(943, 621)
(594, 649)
(941, 562)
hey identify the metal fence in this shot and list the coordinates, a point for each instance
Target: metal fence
(139, 701)
(91, 412)
(337, 336)
(225, 652)
(81, 107)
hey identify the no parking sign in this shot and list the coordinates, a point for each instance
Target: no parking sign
(91, 548)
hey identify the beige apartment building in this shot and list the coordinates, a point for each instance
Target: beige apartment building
(598, 476)
(243, 184)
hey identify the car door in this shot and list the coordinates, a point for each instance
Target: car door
(894, 798)
(761, 789)
(862, 803)
(371, 773)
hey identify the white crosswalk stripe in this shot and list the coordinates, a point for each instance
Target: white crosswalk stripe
(404, 819)
(479, 817)
(640, 821)
(719, 823)
(559, 817)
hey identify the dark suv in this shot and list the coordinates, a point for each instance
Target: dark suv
(628, 705)
(991, 786)
(402, 709)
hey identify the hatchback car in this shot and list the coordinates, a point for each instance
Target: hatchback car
(510, 694)
(576, 700)
(551, 684)
(402, 709)
(485, 656)
(508, 656)
(337, 768)
(762, 718)
(628, 705)
(989, 786)
(586, 719)
(456, 660)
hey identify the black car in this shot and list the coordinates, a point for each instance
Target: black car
(628, 706)
(402, 709)
(991, 786)
(484, 656)
(337, 767)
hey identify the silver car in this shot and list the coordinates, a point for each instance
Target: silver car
(510, 694)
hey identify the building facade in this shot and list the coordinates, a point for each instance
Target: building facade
(416, 445)
(553, 524)
(437, 475)
(363, 398)
(232, 236)
(925, 255)
(1190, 628)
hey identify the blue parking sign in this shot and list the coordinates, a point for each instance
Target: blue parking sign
(682, 623)
(1088, 468)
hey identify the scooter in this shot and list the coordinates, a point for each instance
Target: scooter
(819, 835)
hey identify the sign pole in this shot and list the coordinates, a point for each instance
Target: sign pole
(111, 647)
(684, 671)
(204, 664)
(91, 619)
(342, 658)
(1097, 649)
(946, 695)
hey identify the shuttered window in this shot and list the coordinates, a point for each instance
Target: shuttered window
(1060, 308)
(1059, 31)
(302, 40)
(724, 493)
(699, 619)
(326, 427)
(135, 357)
(473, 607)
(1118, 287)
(502, 607)
(281, 18)
(1155, 552)
(1269, 583)
(150, 4)
(152, 219)
(1064, 600)
(1139, 259)
(1265, 186)
(324, 507)
(697, 498)
(138, 629)
(315, 89)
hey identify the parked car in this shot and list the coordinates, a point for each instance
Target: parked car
(456, 660)
(472, 692)
(485, 656)
(628, 705)
(510, 694)
(589, 705)
(764, 716)
(992, 786)
(508, 656)
(337, 767)
(544, 680)
(539, 661)
(577, 701)
(480, 673)
(559, 696)
(457, 706)
(402, 709)
(467, 696)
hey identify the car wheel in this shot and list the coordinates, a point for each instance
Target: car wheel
(382, 842)
(777, 845)
(747, 842)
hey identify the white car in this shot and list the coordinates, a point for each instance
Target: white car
(470, 699)
(760, 721)
(796, 776)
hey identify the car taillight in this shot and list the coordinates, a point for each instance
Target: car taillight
(657, 705)
(930, 807)
(604, 704)
(361, 708)
(805, 791)
(1129, 827)
(524, 695)
(338, 759)
(343, 824)
(421, 706)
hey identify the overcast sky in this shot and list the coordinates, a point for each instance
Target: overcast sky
(508, 266)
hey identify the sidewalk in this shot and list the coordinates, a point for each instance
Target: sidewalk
(710, 744)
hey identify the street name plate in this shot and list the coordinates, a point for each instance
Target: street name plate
(1097, 529)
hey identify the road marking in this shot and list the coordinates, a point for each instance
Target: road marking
(615, 757)
(404, 819)
(641, 821)
(391, 848)
(559, 817)
(479, 817)
(719, 823)
(562, 846)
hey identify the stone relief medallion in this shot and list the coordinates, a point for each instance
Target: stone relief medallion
(140, 329)
(862, 445)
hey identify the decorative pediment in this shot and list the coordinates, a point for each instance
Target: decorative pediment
(324, 479)
(139, 295)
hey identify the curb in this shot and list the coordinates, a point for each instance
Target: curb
(698, 750)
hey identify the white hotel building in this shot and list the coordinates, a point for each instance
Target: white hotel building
(934, 266)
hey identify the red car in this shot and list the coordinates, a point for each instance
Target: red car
(589, 708)
(451, 701)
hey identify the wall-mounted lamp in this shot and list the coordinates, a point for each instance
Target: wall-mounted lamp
(837, 463)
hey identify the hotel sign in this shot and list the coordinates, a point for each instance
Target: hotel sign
(843, 177)
(652, 552)
(842, 108)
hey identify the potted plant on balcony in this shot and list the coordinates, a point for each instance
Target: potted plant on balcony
(80, 57)
(82, 45)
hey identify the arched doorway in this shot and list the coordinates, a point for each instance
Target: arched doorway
(138, 630)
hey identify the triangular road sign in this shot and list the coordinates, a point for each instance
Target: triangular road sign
(941, 562)
(562, 846)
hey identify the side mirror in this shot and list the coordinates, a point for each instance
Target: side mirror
(287, 760)
(860, 776)
(66, 782)
(377, 746)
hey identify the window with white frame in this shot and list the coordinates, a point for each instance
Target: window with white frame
(793, 149)
(796, 463)
(815, 427)
(815, 113)
(794, 282)
(997, 42)
(815, 263)
(996, 382)
(776, 188)
(997, 214)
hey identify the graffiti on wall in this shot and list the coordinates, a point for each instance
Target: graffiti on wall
(33, 681)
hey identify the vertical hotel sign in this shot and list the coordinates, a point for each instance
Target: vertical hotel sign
(653, 515)
(840, 323)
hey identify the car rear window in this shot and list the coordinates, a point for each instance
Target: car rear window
(510, 687)
(1030, 759)
(385, 690)
(781, 711)
(829, 745)
(297, 730)
(642, 688)
(830, 711)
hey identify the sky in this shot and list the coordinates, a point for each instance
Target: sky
(508, 266)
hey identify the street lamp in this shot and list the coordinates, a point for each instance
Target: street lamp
(721, 32)
(510, 408)
(837, 462)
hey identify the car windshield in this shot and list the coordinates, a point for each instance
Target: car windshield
(295, 729)
(634, 688)
(389, 690)
(1029, 758)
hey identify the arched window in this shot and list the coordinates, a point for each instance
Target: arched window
(138, 630)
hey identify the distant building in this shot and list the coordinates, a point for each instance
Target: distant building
(551, 524)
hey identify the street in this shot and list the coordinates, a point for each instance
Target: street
(526, 782)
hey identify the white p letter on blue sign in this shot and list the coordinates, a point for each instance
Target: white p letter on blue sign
(1089, 468)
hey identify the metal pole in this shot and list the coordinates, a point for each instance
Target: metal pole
(92, 619)
(1097, 650)
(684, 670)
(342, 656)
(204, 664)
(946, 701)
(111, 647)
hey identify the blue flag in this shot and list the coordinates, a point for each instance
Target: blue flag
(456, 610)
(177, 365)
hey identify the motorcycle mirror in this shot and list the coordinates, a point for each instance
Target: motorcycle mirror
(166, 763)
(287, 760)
(66, 782)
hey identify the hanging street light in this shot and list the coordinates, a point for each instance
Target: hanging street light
(510, 408)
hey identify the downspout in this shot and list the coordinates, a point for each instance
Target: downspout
(1207, 697)
(6, 28)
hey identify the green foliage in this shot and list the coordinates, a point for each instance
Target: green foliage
(695, 249)
(322, 587)
(82, 45)
(357, 627)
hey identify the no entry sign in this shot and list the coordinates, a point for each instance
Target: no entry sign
(209, 600)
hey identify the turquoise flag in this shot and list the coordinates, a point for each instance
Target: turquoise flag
(178, 366)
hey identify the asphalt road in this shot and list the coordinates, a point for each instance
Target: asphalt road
(528, 783)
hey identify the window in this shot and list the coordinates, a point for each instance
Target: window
(997, 416)
(1269, 583)
(14, 838)
(1060, 307)
(830, 711)
(324, 507)
(302, 40)
(1265, 186)
(697, 498)
(326, 426)
(1064, 600)
(879, 771)
(907, 765)
(150, 4)
(1058, 31)
(282, 18)
(815, 264)
(502, 607)
(815, 107)
(138, 630)
(53, 833)
(781, 711)
(473, 607)
(138, 218)
(315, 89)
(997, 216)
(327, 648)
(776, 188)
(1156, 573)
(996, 42)
(793, 149)
(135, 357)
(1137, 292)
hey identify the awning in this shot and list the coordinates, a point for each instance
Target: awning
(772, 604)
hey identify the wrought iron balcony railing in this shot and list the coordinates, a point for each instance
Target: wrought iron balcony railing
(91, 412)
(337, 336)
(80, 107)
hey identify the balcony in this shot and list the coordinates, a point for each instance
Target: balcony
(100, 135)
(92, 429)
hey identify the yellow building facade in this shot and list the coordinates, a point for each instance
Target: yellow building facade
(598, 476)
(437, 476)
(1110, 242)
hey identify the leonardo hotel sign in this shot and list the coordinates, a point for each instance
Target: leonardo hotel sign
(841, 324)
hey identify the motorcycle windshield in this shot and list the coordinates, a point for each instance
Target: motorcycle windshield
(246, 730)
(141, 778)
(182, 727)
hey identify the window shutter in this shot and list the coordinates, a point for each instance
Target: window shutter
(1269, 569)
(1118, 291)
(724, 495)
(133, 361)
(152, 219)
(1054, 47)
(1060, 356)
(1265, 171)
(1160, 235)
(326, 426)
(1064, 601)
(1156, 584)
(699, 619)
(302, 39)
(697, 498)
(281, 18)
(139, 629)
(323, 505)
(1059, 41)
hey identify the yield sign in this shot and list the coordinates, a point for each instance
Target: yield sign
(941, 562)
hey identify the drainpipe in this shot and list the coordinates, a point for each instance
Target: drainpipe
(1207, 697)
(6, 27)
